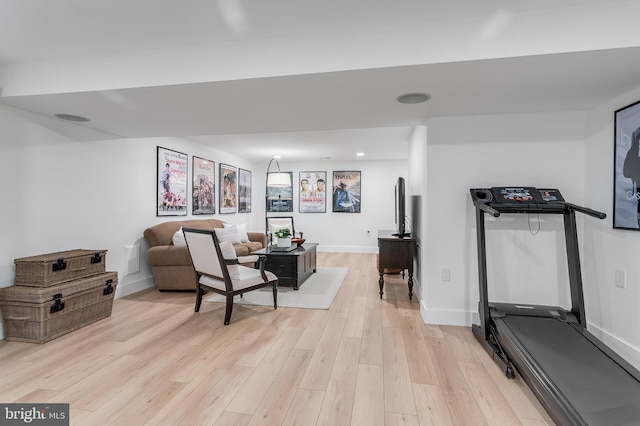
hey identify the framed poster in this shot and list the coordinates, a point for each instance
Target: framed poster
(171, 187)
(203, 187)
(313, 190)
(626, 168)
(244, 191)
(280, 198)
(346, 191)
(228, 180)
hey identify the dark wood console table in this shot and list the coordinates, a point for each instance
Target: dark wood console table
(292, 267)
(395, 253)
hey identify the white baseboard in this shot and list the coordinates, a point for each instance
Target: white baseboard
(622, 348)
(446, 317)
(134, 287)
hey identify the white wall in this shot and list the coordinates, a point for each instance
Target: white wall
(612, 312)
(417, 208)
(348, 232)
(483, 151)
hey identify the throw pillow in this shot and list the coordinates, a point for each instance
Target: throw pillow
(178, 238)
(228, 252)
(227, 234)
(241, 230)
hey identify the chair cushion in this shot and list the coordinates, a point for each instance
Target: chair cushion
(241, 277)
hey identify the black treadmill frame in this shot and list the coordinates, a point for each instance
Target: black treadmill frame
(495, 335)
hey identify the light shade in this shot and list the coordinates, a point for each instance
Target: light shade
(278, 179)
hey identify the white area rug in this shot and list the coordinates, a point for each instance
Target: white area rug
(317, 292)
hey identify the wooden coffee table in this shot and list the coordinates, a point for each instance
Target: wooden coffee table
(291, 267)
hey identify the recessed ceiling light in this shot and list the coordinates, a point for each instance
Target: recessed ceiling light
(71, 117)
(360, 154)
(413, 98)
(277, 156)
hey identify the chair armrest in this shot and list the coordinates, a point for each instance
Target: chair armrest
(242, 259)
(261, 261)
(248, 259)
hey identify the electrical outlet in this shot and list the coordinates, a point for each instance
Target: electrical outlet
(445, 274)
(621, 278)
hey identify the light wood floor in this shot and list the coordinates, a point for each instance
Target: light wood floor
(365, 361)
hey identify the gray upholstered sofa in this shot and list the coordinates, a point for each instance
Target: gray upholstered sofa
(171, 264)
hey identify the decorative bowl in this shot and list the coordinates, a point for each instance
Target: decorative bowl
(298, 241)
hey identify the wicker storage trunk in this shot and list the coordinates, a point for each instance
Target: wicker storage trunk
(37, 315)
(53, 268)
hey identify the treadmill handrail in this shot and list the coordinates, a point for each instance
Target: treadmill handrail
(586, 210)
(486, 208)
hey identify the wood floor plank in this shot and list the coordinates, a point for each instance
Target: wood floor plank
(249, 397)
(304, 408)
(354, 323)
(338, 400)
(233, 419)
(146, 405)
(422, 366)
(494, 405)
(459, 396)
(397, 419)
(218, 396)
(432, 406)
(398, 391)
(368, 403)
(313, 332)
(275, 404)
(371, 347)
(514, 390)
(319, 371)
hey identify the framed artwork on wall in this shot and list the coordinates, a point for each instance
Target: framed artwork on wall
(312, 192)
(244, 191)
(171, 183)
(280, 198)
(346, 191)
(228, 194)
(626, 168)
(203, 193)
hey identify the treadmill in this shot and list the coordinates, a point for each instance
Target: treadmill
(577, 378)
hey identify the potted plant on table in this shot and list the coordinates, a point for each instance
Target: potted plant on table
(284, 237)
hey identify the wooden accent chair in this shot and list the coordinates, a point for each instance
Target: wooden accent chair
(275, 223)
(214, 274)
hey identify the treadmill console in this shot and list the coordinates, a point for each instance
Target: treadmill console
(518, 198)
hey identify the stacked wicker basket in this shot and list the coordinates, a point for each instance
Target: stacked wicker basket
(57, 293)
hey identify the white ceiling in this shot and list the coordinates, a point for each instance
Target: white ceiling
(303, 116)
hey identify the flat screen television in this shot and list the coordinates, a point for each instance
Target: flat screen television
(401, 215)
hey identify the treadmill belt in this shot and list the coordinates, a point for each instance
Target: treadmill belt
(598, 388)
